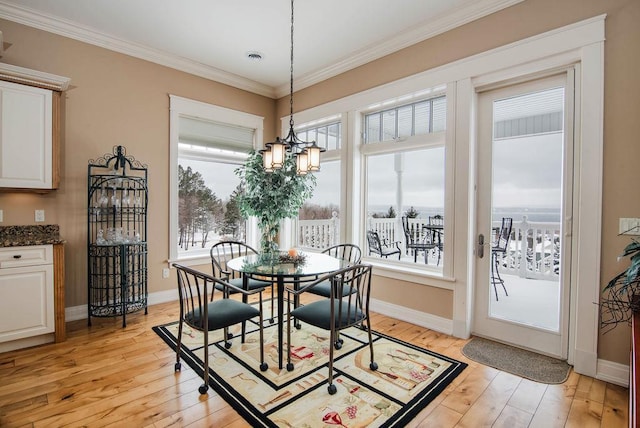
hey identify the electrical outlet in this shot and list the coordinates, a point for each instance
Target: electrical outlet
(165, 273)
(39, 216)
(1, 216)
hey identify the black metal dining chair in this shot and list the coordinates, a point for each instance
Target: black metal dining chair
(500, 245)
(201, 310)
(224, 251)
(415, 243)
(380, 247)
(335, 313)
(350, 253)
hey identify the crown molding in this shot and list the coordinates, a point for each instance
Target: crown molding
(30, 77)
(470, 12)
(65, 28)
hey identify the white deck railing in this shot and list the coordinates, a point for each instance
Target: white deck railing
(539, 242)
(318, 234)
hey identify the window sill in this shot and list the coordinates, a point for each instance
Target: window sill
(195, 260)
(405, 273)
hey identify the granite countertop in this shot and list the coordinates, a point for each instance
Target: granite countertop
(21, 236)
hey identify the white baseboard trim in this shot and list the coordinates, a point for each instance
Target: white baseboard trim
(423, 319)
(611, 372)
(74, 313)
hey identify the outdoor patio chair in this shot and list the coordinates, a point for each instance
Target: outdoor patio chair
(381, 247)
(415, 243)
(500, 246)
(224, 251)
(335, 314)
(348, 252)
(436, 234)
(207, 313)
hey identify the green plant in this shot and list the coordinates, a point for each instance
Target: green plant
(272, 196)
(411, 213)
(621, 296)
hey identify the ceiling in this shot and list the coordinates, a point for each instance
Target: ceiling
(211, 38)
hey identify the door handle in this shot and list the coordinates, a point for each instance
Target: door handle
(481, 245)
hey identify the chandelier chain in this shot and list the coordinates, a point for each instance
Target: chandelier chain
(291, 70)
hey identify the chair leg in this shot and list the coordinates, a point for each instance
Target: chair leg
(500, 280)
(495, 276)
(289, 364)
(272, 319)
(178, 365)
(331, 388)
(372, 365)
(205, 376)
(263, 365)
(245, 299)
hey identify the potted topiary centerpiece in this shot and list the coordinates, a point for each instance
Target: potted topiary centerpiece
(272, 196)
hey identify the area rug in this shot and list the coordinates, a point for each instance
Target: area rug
(407, 379)
(519, 362)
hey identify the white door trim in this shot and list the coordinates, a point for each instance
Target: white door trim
(582, 44)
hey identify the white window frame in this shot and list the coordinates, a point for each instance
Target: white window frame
(391, 267)
(579, 45)
(180, 106)
(309, 119)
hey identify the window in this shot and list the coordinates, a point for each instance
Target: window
(318, 225)
(407, 120)
(404, 158)
(208, 143)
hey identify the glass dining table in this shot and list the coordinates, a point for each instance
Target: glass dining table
(278, 269)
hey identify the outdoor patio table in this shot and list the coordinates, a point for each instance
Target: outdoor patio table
(436, 232)
(257, 265)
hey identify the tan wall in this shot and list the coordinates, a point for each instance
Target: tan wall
(114, 99)
(621, 111)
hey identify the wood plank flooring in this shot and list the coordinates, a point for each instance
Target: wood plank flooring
(105, 375)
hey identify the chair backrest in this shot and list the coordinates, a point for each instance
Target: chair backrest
(411, 232)
(191, 291)
(374, 242)
(436, 220)
(224, 251)
(348, 252)
(503, 235)
(353, 282)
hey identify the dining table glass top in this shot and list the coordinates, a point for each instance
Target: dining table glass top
(309, 264)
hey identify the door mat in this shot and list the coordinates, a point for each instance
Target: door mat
(520, 362)
(408, 377)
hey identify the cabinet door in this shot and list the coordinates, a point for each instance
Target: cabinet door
(26, 302)
(26, 136)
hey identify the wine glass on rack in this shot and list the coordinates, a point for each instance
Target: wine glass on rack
(115, 200)
(103, 200)
(126, 199)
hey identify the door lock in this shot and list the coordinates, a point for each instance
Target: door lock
(481, 245)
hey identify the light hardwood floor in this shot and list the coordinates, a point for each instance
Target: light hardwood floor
(105, 375)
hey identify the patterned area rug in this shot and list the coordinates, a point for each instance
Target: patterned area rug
(408, 377)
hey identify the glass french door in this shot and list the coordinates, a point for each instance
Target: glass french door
(525, 163)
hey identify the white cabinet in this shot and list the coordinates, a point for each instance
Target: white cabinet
(26, 296)
(26, 137)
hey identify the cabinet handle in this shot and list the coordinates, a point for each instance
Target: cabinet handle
(17, 256)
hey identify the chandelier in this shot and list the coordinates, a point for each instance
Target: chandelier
(307, 153)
